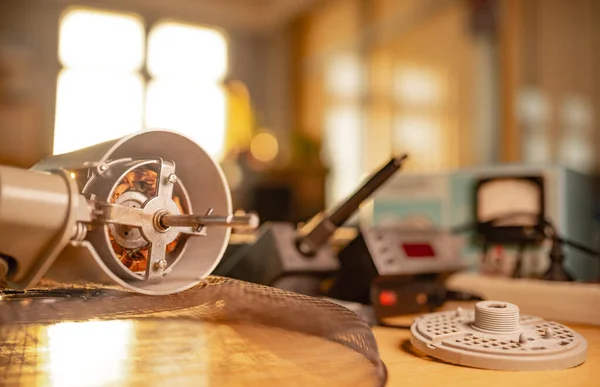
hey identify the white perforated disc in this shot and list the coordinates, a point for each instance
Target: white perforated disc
(495, 336)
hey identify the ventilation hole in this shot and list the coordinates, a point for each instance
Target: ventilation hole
(570, 335)
(503, 342)
(564, 343)
(498, 306)
(530, 338)
(514, 346)
(496, 345)
(467, 343)
(538, 348)
(458, 340)
(505, 348)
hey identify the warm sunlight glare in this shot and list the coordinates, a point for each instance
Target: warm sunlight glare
(343, 148)
(195, 109)
(179, 51)
(419, 135)
(344, 76)
(94, 107)
(89, 353)
(414, 87)
(99, 93)
(101, 40)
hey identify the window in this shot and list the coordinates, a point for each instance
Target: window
(533, 113)
(100, 88)
(576, 141)
(343, 147)
(102, 92)
(420, 117)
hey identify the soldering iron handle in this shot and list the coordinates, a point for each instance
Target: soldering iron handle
(345, 211)
(309, 244)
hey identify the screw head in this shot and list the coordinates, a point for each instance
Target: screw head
(160, 265)
(103, 167)
(172, 178)
(522, 338)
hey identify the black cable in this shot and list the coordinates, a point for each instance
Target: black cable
(578, 246)
(395, 326)
(461, 296)
(519, 261)
(550, 231)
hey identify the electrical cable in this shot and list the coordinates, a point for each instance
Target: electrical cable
(579, 246)
(395, 326)
(550, 231)
(462, 296)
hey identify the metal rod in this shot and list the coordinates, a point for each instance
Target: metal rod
(237, 221)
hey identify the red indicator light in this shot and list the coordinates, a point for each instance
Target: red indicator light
(387, 298)
(418, 250)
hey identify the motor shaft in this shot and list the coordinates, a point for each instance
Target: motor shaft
(236, 221)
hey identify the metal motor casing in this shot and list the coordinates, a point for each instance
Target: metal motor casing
(206, 187)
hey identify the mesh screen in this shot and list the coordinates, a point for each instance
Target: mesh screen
(249, 334)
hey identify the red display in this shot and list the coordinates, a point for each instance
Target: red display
(387, 298)
(418, 250)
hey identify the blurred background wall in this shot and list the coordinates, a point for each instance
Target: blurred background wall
(299, 99)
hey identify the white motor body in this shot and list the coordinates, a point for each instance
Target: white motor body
(137, 212)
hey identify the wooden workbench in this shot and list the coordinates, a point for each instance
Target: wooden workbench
(407, 367)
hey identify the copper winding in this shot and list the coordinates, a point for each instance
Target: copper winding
(142, 180)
